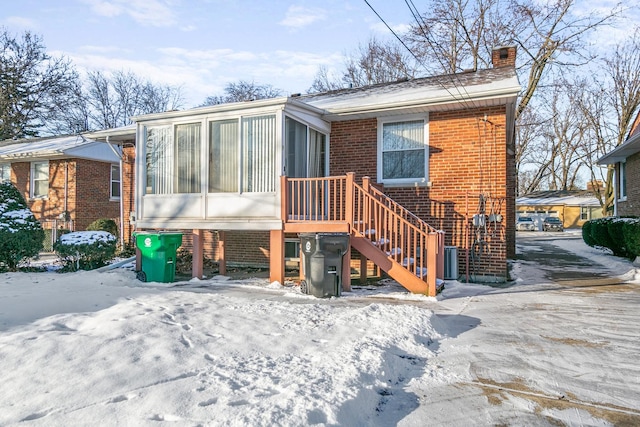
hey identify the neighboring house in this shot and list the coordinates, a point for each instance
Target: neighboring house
(573, 207)
(68, 182)
(392, 163)
(625, 158)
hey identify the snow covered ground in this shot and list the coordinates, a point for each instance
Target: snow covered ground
(90, 348)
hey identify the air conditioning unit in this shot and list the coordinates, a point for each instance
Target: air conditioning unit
(450, 263)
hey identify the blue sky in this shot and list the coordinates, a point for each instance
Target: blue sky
(204, 44)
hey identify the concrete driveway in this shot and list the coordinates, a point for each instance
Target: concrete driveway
(559, 347)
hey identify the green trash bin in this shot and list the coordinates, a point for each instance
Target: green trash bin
(158, 255)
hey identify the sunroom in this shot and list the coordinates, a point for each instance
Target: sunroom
(219, 167)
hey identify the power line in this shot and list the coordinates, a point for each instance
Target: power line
(460, 97)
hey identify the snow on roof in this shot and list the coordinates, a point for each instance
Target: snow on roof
(495, 85)
(555, 198)
(67, 146)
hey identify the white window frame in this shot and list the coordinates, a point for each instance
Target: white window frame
(5, 168)
(32, 181)
(622, 181)
(114, 180)
(585, 213)
(404, 181)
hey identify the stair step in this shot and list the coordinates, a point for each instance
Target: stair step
(381, 242)
(394, 251)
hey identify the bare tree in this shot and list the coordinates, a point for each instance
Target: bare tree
(372, 63)
(456, 35)
(610, 105)
(114, 99)
(459, 34)
(33, 85)
(243, 90)
(323, 81)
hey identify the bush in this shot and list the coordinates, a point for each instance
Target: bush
(616, 235)
(85, 250)
(586, 233)
(21, 235)
(600, 232)
(631, 230)
(104, 224)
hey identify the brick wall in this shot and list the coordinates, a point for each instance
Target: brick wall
(468, 158)
(632, 205)
(93, 192)
(51, 207)
(85, 195)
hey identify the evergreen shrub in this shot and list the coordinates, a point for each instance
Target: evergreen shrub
(104, 224)
(21, 235)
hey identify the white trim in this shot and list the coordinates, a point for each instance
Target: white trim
(622, 178)
(112, 181)
(424, 181)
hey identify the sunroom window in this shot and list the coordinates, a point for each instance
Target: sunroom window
(402, 151)
(223, 156)
(259, 154)
(243, 155)
(173, 159)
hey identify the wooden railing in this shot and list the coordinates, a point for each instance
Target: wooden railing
(364, 211)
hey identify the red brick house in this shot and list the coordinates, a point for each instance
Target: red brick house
(626, 160)
(68, 182)
(414, 171)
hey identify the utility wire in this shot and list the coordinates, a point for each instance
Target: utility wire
(421, 25)
(460, 97)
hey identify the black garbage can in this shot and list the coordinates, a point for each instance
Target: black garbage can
(323, 255)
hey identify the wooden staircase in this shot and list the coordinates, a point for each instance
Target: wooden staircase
(404, 246)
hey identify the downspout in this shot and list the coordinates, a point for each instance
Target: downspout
(119, 154)
(66, 189)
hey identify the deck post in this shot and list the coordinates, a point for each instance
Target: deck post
(349, 198)
(222, 261)
(440, 272)
(198, 254)
(276, 256)
(285, 196)
(363, 269)
(432, 263)
(346, 270)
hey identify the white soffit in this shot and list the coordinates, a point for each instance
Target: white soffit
(63, 147)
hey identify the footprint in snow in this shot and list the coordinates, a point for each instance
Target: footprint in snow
(36, 415)
(208, 402)
(164, 417)
(121, 398)
(187, 343)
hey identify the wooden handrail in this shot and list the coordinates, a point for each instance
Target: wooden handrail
(404, 237)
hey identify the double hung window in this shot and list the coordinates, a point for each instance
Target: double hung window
(403, 151)
(5, 172)
(115, 182)
(39, 179)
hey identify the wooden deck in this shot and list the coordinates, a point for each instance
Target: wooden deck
(394, 239)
